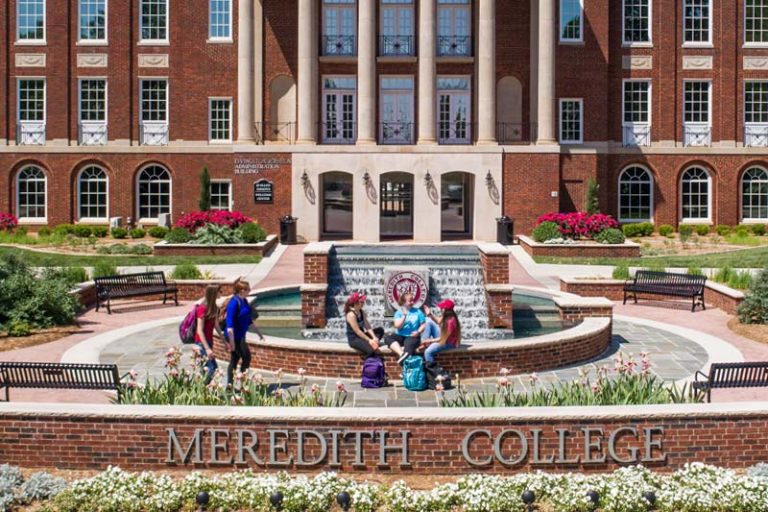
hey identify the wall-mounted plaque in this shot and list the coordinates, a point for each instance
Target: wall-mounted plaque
(257, 165)
(263, 192)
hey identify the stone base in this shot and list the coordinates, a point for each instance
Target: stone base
(585, 249)
(261, 249)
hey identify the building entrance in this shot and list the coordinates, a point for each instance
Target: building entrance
(396, 213)
(456, 205)
(336, 205)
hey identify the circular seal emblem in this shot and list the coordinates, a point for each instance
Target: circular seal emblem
(400, 283)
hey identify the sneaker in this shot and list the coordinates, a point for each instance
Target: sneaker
(402, 358)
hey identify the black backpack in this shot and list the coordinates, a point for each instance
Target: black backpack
(433, 371)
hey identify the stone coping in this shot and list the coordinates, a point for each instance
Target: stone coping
(313, 287)
(586, 243)
(493, 249)
(261, 245)
(318, 248)
(561, 299)
(712, 285)
(427, 414)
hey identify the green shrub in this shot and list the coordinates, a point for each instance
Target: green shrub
(74, 275)
(142, 249)
(666, 230)
(754, 308)
(104, 268)
(44, 232)
(252, 233)
(637, 229)
(694, 271)
(740, 280)
(64, 229)
(546, 231)
(702, 229)
(592, 199)
(724, 275)
(119, 249)
(19, 328)
(757, 229)
(158, 232)
(100, 231)
(723, 230)
(213, 234)
(81, 231)
(20, 231)
(684, 231)
(186, 271)
(621, 271)
(137, 233)
(178, 236)
(610, 236)
(119, 233)
(742, 231)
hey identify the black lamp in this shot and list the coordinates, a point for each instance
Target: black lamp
(276, 499)
(344, 500)
(594, 497)
(366, 179)
(428, 179)
(528, 498)
(650, 497)
(202, 499)
(304, 179)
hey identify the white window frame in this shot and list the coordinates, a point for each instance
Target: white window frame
(560, 37)
(220, 39)
(696, 220)
(397, 7)
(338, 7)
(211, 140)
(230, 200)
(92, 42)
(136, 181)
(340, 122)
(752, 44)
(749, 220)
(94, 220)
(629, 125)
(167, 122)
(453, 137)
(19, 121)
(638, 44)
(31, 220)
(650, 195)
(453, 8)
(755, 132)
(156, 42)
(698, 44)
(80, 120)
(32, 42)
(580, 140)
(709, 110)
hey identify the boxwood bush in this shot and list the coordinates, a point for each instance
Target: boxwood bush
(119, 233)
(100, 231)
(178, 236)
(81, 231)
(158, 232)
(754, 308)
(137, 233)
(186, 271)
(666, 230)
(757, 229)
(64, 229)
(702, 229)
(610, 236)
(252, 233)
(637, 229)
(546, 231)
(723, 230)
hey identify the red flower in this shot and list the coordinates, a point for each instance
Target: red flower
(195, 220)
(8, 221)
(575, 225)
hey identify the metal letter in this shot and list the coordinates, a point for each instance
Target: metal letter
(196, 442)
(536, 432)
(612, 445)
(403, 447)
(562, 434)
(242, 447)
(497, 446)
(217, 446)
(650, 444)
(465, 448)
(274, 448)
(300, 434)
(335, 435)
(590, 445)
(359, 444)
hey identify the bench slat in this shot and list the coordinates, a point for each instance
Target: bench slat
(60, 376)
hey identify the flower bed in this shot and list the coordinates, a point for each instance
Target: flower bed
(580, 248)
(164, 248)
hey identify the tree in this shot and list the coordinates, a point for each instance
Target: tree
(205, 191)
(592, 201)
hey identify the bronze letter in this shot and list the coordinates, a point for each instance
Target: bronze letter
(612, 445)
(465, 448)
(196, 443)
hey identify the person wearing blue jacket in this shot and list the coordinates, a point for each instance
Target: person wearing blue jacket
(239, 318)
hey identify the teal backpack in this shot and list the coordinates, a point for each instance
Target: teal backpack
(414, 377)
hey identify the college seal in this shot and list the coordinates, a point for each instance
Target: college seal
(400, 283)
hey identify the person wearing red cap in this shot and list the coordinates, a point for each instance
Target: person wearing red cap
(450, 331)
(360, 335)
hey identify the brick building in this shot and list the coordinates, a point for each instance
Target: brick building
(376, 119)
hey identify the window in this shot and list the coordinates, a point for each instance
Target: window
(454, 28)
(695, 186)
(637, 113)
(220, 115)
(696, 113)
(93, 20)
(396, 105)
(30, 20)
(154, 100)
(339, 27)
(31, 99)
(154, 192)
(635, 195)
(755, 113)
(571, 121)
(93, 100)
(454, 100)
(220, 25)
(92, 194)
(754, 194)
(571, 21)
(697, 22)
(756, 22)
(397, 20)
(637, 21)
(154, 20)
(339, 110)
(31, 194)
(221, 195)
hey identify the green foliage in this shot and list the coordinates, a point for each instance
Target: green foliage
(684, 232)
(44, 232)
(252, 233)
(637, 229)
(137, 233)
(19, 328)
(592, 200)
(74, 275)
(723, 230)
(158, 232)
(757, 229)
(754, 308)
(104, 268)
(546, 231)
(182, 272)
(702, 229)
(141, 249)
(666, 230)
(21, 231)
(694, 271)
(178, 236)
(100, 231)
(740, 280)
(119, 233)
(724, 275)
(82, 231)
(610, 236)
(742, 231)
(214, 234)
(621, 272)
(64, 229)
(205, 191)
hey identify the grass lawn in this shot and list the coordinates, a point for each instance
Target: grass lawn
(743, 258)
(45, 259)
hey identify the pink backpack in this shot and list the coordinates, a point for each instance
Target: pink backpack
(188, 326)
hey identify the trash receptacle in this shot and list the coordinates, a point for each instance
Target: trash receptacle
(505, 230)
(288, 230)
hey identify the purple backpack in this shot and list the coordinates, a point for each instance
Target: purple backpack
(188, 326)
(373, 373)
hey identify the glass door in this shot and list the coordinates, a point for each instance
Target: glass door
(336, 205)
(397, 28)
(453, 110)
(396, 191)
(456, 205)
(338, 111)
(396, 110)
(339, 28)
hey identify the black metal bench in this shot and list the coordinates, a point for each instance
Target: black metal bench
(59, 376)
(667, 283)
(134, 285)
(732, 375)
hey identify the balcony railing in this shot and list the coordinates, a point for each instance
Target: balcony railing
(30, 133)
(396, 46)
(636, 134)
(92, 133)
(756, 135)
(454, 132)
(339, 46)
(154, 133)
(284, 133)
(454, 46)
(697, 135)
(338, 132)
(396, 132)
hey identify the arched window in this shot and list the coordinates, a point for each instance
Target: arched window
(635, 195)
(92, 186)
(754, 194)
(695, 195)
(154, 192)
(32, 194)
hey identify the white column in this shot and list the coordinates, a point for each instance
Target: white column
(366, 72)
(307, 81)
(258, 68)
(427, 73)
(546, 73)
(245, 69)
(486, 72)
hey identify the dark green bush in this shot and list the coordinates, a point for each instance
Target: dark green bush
(178, 236)
(81, 231)
(104, 268)
(723, 230)
(142, 249)
(610, 236)
(742, 231)
(119, 233)
(685, 231)
(64, 229)
(252, 233)
(701, 229)
(757, 229)
(137, 233)
(637, 229)
(666, 230)
(19, 328)
(74, 275)
(546, 231)
(158, 232)
(100, 231)
(754, 308)
(186, 271)
(44, 232)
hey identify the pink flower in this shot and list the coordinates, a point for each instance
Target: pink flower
(174, 372)
(195, 220)
(503, 382)
(504, 372)
(302, 371)
(439, 388)
(597, 387)
(8, 221)
(314, 389)
(340, 387)
(533, 379)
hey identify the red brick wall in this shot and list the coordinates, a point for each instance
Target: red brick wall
(280, 47)
(495, 268)
(529, 179)
(316, 268)
(313, 309)
(500, 308)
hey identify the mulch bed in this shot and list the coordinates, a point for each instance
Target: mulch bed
(38, 337)
(754, 332)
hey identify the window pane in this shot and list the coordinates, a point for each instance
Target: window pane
(154, 100)
(570, 20)
(637, 21)
(754, 194)
(635, 186)
(221, 114)
(570, 121)
(30, 20)
(93, 100)
(695, 194)
(220, 19)
(31, 100)
(154, 191)
(756, 21)
(31, 193)
(696, 20)
(92, 196)
(93, 20)
(154, 20)
(636, 101)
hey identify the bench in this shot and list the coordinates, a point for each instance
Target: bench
(59, 376)
(133, 285)
(667, 283)
(732, 375)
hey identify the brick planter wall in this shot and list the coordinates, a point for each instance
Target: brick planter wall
(580, 250)
(313, 306)
(316, 263)
(494, 259)
(260, 249)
